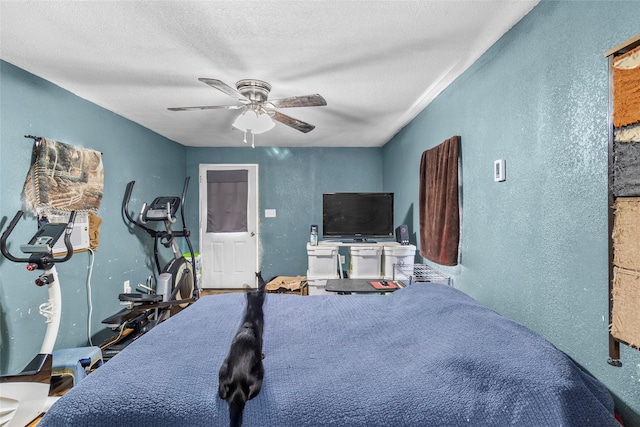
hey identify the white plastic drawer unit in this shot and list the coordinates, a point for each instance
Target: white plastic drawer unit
(323, 262)
(396, 255)
(364, 262)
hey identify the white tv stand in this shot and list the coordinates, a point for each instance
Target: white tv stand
(348, 244)
(332, 272)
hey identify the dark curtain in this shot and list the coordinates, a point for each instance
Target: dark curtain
(227, 193)
(439, 204)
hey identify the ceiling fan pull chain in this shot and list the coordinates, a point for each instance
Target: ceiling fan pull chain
(253, 140)
(245, 137)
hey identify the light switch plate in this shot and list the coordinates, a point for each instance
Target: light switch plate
(269, 213)
(499, 172)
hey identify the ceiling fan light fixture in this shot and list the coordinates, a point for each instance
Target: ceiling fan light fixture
(251, 121)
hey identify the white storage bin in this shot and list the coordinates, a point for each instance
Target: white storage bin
(397, 254)
(323, 262)
(364, 262)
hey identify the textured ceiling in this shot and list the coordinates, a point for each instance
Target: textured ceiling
(377, 63)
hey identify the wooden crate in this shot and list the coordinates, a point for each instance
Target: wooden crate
(625, 324)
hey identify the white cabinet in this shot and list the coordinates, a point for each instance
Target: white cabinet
(366, 260)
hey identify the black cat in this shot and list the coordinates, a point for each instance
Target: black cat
(241, 374)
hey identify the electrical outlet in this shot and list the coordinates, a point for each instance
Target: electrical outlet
(342, 259)
(269, 213)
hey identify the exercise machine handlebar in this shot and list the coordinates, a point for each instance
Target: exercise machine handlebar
(36, 249)
(167, 214)
(127, 198)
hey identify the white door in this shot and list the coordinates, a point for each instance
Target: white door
(228, 225)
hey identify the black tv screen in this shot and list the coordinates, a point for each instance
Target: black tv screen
(357, 216)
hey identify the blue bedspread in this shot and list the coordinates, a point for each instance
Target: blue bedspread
(426, 355)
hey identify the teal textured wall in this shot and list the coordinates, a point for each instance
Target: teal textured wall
(30, 105)
(534, 247)
(292, 180)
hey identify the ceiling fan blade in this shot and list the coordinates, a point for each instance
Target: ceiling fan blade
(207, 107)
(315, 100)
(290, 121)
(224, 88)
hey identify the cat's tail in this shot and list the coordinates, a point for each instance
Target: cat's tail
(235, 413)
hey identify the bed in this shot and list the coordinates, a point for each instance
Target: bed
(425, 355)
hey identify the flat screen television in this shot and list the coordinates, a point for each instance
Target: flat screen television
(357, 216)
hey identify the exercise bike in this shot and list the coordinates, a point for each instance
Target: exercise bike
(176, 286)
(24, 396)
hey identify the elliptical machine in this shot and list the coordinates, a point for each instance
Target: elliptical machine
(176, 286)
(24, 396)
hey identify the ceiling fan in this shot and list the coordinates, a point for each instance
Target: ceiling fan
(253, 97)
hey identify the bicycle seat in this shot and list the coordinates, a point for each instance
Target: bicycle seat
(140, 297)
